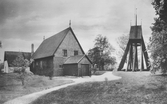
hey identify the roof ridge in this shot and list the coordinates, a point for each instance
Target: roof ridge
(57, 33)
(17, 51)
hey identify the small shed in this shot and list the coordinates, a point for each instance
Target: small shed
(79, 65)
(10, 56)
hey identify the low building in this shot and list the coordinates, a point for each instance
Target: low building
(10, 56)
(79, 65)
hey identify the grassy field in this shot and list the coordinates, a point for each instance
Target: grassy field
(11, 87)
(133, 88)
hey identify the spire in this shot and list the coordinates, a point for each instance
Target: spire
(136, 17)
(70, 23)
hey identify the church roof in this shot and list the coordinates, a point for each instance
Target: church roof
(50, 45)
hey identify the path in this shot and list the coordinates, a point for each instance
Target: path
(27, 99)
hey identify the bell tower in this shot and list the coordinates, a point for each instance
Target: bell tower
(134, 47)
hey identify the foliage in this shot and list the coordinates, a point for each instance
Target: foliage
(122, 42)
(158, 40)
(20, 61)
(160, 9)
(101, 52)
(21, 64)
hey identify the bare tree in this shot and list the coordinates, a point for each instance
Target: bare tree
(122, 42)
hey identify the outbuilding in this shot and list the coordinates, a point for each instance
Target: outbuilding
(79, 65)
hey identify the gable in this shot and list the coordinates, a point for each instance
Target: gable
(50, 45)
(85, 61)
(71, 44)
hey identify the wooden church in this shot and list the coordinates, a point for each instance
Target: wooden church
(61, 54)
(134, 48)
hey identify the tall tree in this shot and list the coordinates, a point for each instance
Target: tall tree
(158, 40)
(101, 52)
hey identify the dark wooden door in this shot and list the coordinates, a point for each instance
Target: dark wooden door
(84, 69)
(71, 70)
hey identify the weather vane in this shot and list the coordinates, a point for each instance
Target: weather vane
(70, 23)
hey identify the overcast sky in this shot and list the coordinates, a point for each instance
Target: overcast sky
(23, 22)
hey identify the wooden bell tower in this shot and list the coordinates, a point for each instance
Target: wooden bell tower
(135, 42)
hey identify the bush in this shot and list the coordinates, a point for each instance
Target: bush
(109, 67)
(17, 70)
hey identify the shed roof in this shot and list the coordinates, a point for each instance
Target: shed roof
(75, 59)
(10, 56)
(50, 45)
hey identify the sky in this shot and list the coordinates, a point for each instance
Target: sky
(23, 22)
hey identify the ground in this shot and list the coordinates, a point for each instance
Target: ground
(28, 99)
(11, 87)
(132, 88)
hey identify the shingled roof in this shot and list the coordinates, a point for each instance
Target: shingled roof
(135, 32)
(50, 45)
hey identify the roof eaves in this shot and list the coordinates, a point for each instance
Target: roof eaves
(81, 58)
(88, 59)
(43, 57)
(77, 40)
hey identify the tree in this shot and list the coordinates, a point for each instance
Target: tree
(158, 40)
(122, 42)
(100, 53)
(21, 65)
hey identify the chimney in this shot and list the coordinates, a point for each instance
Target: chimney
(32, 49)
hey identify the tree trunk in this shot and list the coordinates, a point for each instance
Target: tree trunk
(22, 81)
(102, 66)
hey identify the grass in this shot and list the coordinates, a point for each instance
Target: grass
(11, 87)
(99, 73)
(133, 88)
